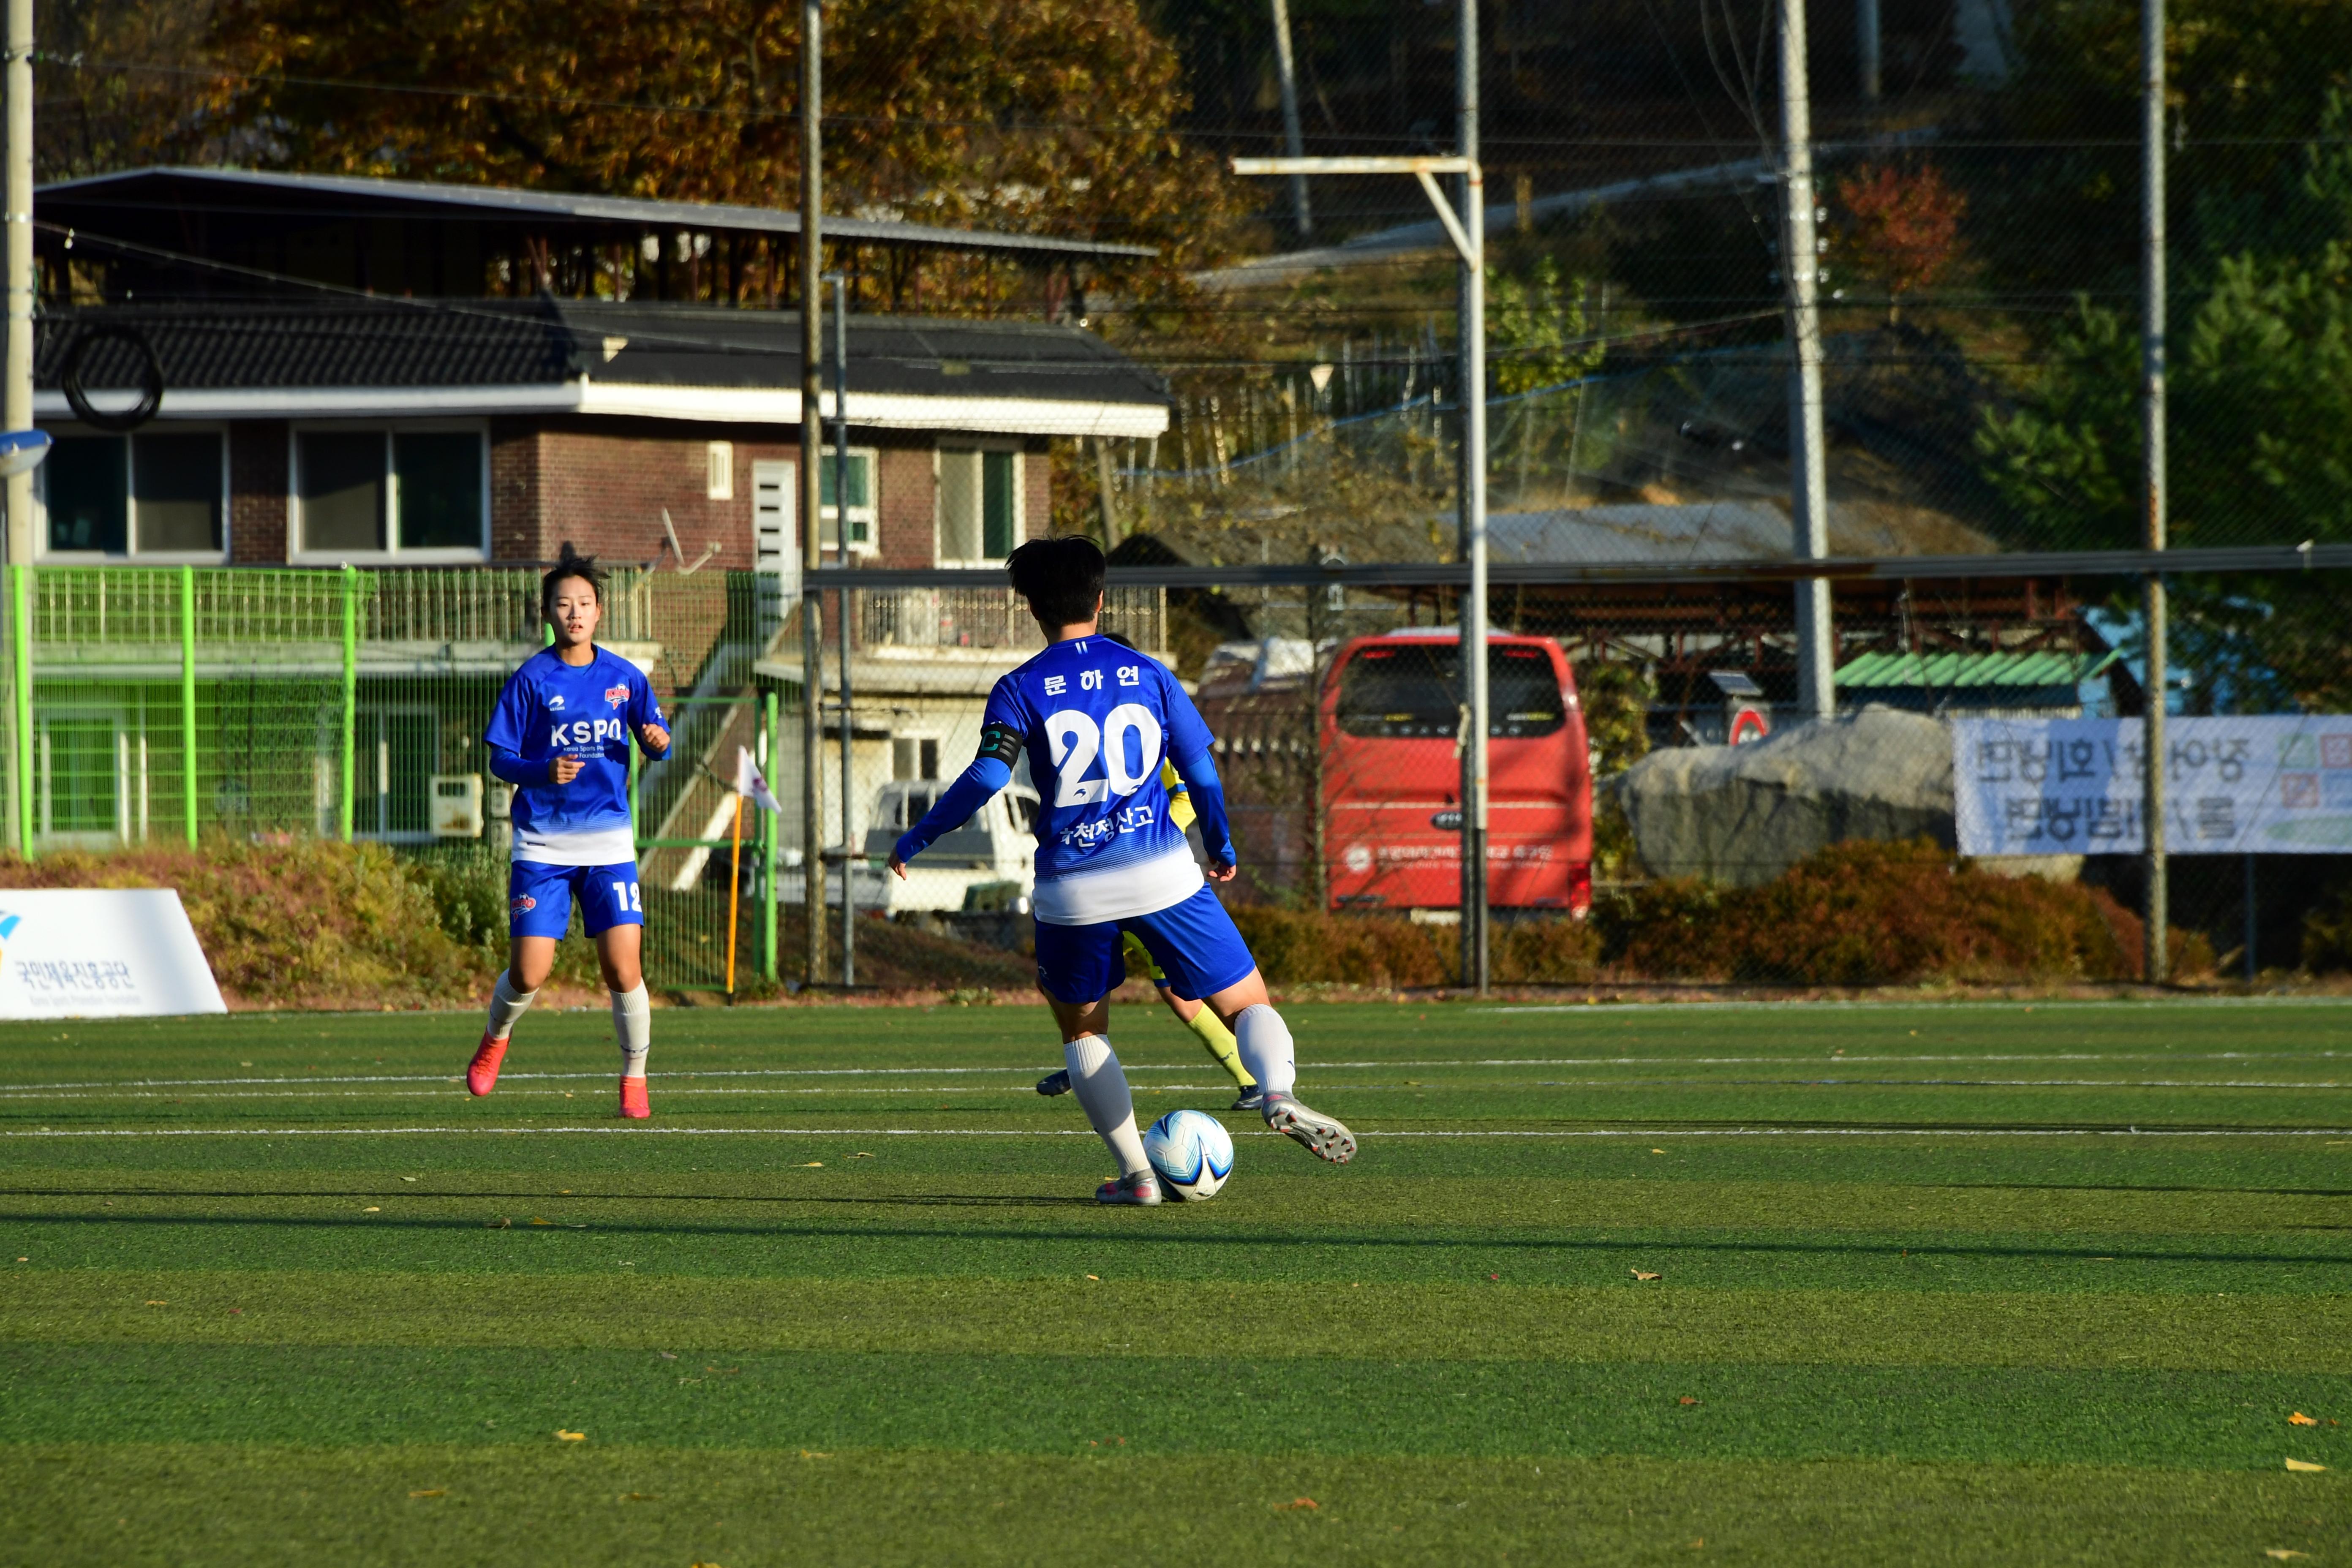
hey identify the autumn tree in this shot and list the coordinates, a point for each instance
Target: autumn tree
(1901, 229)
(1046, 116)
(115, 84)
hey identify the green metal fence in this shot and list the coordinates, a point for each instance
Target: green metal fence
(182, 705)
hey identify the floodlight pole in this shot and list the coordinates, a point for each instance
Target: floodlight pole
(1293, 142)
(1468, 233)
(811, 494)
(1807, 459)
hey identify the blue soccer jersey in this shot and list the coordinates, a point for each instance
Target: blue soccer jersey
(1098, 720)
(550, 709)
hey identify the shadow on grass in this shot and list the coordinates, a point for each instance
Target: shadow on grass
(1482, 1242)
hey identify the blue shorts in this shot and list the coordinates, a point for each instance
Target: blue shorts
(539, 898)
(1193, 943)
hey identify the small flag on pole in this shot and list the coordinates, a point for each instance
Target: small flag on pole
(751, 786)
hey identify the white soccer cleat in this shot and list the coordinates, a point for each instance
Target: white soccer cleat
(1320, 1136)
(1135, 1187)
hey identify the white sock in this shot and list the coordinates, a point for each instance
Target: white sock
(633, 1026)
(1264, 1040)
(506, 1005)
(1101, 1088)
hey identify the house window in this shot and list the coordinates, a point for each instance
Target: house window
(418, 493)
(980, 506)
(153, 495)
(914, 757)
(861, 500)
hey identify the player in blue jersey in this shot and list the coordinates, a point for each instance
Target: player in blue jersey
(561, 734)
(1098, 718)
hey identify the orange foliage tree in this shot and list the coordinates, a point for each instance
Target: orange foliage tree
(1903, 228)
(1043, 116)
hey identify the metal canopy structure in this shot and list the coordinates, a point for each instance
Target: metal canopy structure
(406, 236)
(246, 197)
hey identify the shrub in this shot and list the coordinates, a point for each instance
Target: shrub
(305, 924)
(1866, 914)
(1296, 947)
(2327, 935)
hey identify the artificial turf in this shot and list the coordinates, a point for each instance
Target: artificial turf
(1955, 1282)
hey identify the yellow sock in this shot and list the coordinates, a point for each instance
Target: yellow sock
(1219, 1041)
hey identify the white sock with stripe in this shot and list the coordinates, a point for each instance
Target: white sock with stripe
(506, 1005)
(633, 1026)
(1264, 1041)
(1100, 1085)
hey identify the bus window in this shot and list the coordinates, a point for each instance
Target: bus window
(1399, 693)
(1414, 692)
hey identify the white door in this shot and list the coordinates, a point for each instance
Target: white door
(775, 544)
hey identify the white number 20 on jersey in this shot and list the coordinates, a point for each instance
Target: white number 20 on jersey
(1077, 745)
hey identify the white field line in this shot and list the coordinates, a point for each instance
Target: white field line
(1082, 1132)
(1602, 1009)
(675, 1075)
(674, 1089)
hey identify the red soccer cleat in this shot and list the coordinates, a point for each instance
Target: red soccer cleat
(633, 1099)
(482, 1075)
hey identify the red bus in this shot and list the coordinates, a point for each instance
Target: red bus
(1390, 712)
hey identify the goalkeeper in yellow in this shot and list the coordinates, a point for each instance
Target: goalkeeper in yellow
(1194, 1015)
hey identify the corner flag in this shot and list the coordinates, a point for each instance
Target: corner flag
(751, 786)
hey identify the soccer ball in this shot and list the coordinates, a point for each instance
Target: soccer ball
(1192, 1152)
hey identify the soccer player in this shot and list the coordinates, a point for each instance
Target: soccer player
(560, 735)
(1098, 720)
(1193, 1013)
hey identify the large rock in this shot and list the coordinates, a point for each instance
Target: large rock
(1743, 815)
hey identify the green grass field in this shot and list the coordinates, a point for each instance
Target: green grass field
(1959, 1283)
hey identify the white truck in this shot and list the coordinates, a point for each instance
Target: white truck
(987, 864)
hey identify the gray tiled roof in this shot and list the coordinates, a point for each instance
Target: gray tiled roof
(354, 342)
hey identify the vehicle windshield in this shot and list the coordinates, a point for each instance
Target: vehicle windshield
(1412, 691)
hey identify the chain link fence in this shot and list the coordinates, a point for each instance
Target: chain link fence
(1643, 735)
(195, 705)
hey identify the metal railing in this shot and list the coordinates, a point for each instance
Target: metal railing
(994, 617)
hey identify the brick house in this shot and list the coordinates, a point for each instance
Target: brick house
(314, 412)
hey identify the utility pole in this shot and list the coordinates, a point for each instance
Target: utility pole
(2156, 907)
(1472, 488)
(1293, 142)
(840, 282)
(1866, 48)
(17, 384)
(1809, 501)
(811, 493)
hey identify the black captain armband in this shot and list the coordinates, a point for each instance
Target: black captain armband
(999, 741)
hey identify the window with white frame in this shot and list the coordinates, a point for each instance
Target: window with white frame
(862, 508)
(418, 494)
(980, 505)
(161, 495)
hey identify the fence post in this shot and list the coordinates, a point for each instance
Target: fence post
(188, 699)
(351, 698)
(771, 827)
(20, 625)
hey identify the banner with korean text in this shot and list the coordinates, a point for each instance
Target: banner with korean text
(110, 953)
(2232, 786)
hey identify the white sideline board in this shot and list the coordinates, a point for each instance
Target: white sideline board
(2269, 786)
(100, 953)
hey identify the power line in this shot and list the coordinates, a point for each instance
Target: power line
(1699, 144)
